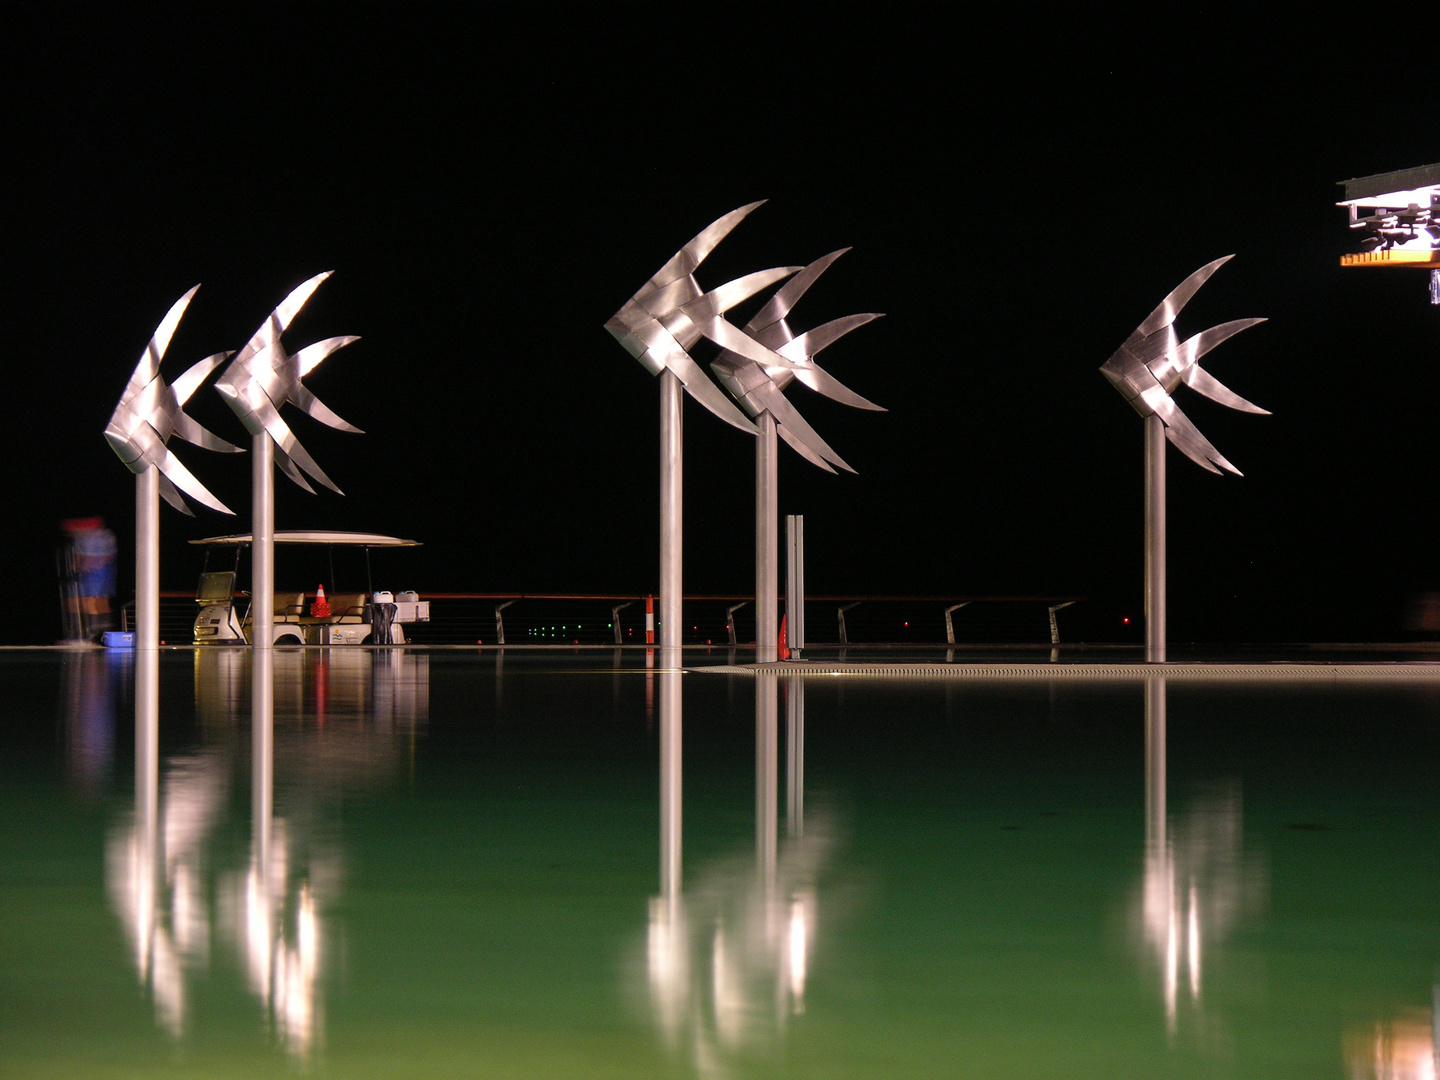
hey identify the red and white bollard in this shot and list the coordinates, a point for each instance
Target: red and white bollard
(649, 620)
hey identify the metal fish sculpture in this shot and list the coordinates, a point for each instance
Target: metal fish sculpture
(1153, 362)
(671, 313)
(263, 376)
(149, 412)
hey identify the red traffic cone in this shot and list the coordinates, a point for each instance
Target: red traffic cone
(320, 609)
(781, 649)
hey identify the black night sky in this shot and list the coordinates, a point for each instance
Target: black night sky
(489, 191)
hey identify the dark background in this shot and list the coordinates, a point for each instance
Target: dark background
(1019, 194)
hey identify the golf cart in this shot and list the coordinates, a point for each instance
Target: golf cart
(353, 618)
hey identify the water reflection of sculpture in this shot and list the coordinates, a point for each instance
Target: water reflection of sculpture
(171, 902)
(728, 961)
(1406, 1047)
(1197, 881)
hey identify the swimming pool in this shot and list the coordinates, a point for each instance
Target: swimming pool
(451, 865)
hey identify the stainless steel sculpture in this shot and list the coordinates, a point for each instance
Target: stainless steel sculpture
(262, 377)
(148, 413)
(1147, 369)
(658, 326)
(760, 389)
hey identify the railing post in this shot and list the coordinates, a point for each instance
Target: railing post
(500, 621)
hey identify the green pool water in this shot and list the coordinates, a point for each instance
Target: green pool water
(457, 873)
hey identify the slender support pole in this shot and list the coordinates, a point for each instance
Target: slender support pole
(1154, 540)
(950, 623)
(500, 622)
(767, 778)
(672, 496)
(730, 619)
(147, 561)
(262, 546)
(840, 614)
(767, 542)
(615, 623)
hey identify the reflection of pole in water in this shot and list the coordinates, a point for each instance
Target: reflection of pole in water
(1160, 899)
(1155, 764)
(262, 736)
(795, 755)
(670, 774)
(767, 778)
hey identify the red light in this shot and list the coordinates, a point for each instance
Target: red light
(907, 624)
(1126, 620)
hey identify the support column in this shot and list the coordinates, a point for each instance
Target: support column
(1155, 632)
(262, 545)
(147, 560)
(767, 542)
(672, 488)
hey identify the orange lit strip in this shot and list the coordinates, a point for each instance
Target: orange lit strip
(1392, 258)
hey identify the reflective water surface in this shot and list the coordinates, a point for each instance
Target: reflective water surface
(408, 863)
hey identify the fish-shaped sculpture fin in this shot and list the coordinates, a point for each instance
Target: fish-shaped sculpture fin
(788, 419)
(1187, 438)
(1170, 307)
(789, 294)
(798, 445)
(685, 261)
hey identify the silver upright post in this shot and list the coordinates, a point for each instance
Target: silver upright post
(672, 441)
(672, 494)
(1154, 540)
(767, 542)
(147, 562)
(262, 546)
(795, 584)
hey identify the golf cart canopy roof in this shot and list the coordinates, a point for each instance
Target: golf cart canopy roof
(313, 536)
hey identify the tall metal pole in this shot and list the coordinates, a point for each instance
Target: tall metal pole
(147, 562)
(767, 542)
(672, 443)
(672, 491)
(1154, 540)
(262, 546)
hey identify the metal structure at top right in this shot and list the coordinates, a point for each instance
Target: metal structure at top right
(1397, 217)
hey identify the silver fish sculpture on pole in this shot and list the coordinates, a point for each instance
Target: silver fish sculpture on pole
(148, 414)
(658, 326)
(263, 377)
(760, 389)
(1147, 369)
